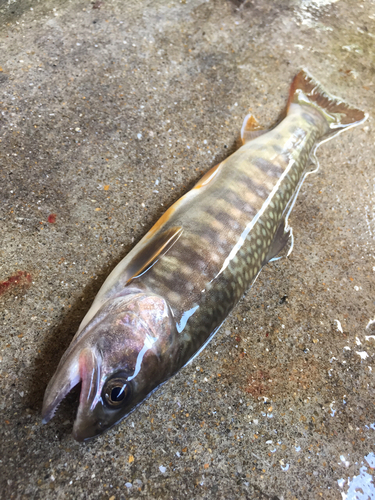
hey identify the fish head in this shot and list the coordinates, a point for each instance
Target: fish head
(119, 357)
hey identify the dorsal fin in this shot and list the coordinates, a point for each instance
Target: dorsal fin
(251, 129)
(283, 239)
(150, 253)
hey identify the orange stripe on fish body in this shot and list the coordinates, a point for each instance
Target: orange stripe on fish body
(208, 176)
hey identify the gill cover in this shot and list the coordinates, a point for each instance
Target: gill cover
(119, 357)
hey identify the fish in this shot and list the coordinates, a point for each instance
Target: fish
(165, 300)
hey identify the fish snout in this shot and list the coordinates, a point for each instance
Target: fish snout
(75, 366)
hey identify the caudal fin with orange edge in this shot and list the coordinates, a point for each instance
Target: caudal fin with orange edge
(306, 91)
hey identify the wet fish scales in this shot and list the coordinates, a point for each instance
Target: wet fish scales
(165, 300)
(261, 236)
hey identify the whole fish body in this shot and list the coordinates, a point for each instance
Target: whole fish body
(170, 294)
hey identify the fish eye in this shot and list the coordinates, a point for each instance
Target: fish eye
(115, 392)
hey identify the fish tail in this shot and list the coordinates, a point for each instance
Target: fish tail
(306, 91)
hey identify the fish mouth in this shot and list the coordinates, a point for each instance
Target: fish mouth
(83, 429)
(75, 367)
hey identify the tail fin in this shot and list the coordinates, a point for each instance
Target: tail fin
(306, 91)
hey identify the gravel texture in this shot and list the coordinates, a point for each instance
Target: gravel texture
(110, 111)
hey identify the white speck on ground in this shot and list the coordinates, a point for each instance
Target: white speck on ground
(362, 354)
(360, 487)
(339, 327)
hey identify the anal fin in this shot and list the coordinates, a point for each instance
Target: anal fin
(282, 242)
(251, 129)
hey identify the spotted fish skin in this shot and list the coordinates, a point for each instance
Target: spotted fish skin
(226, 238)
(167, 298)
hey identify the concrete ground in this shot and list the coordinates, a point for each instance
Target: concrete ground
(110, 111)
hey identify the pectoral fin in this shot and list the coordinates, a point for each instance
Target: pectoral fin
(283, 239)
(143, 256)
(150, 253)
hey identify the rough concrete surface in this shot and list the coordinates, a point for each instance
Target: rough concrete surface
(110, 111)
